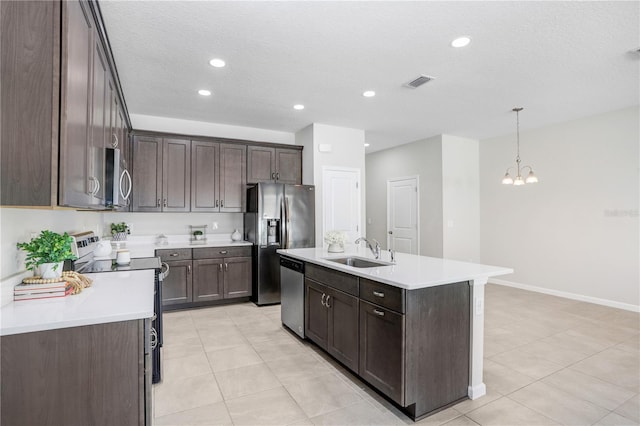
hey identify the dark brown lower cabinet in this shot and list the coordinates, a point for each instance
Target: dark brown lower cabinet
(205, 274)
(382, 349)
(411, 345)
(90, 375)
(332, 322)
(176, 287)
(237, 277)
(207, 279)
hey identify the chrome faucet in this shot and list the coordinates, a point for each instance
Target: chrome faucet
(374, 249)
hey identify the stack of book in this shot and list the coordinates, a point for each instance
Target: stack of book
(41, 291)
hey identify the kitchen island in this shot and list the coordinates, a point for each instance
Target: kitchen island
(413, 329)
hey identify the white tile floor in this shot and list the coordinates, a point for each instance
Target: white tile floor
(548, 360)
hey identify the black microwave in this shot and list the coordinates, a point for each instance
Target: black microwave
(117, 180)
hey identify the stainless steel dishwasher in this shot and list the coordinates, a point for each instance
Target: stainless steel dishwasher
(292, 294)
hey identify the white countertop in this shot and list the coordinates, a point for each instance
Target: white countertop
(113, 296)
(410, 271)
(145, 246)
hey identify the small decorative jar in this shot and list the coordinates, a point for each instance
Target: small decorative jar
(236, 235)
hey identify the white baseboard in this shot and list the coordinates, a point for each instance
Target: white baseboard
(475, 392)
(567, 295)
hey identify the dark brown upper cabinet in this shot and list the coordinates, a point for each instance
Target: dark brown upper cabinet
(161, 174)
(265, 164)
(56, 104)
(217, 177)
(30, 57)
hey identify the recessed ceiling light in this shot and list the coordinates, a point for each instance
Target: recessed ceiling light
(369, 94)
(204, 92)
(461, 42)
(217, 63)
(367, 144)
(298, 107)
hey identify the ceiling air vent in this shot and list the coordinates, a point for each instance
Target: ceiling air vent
(417, 82)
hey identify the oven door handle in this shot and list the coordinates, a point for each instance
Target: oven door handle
(164, 273)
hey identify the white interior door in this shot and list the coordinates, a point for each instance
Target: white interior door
(402, 215)
(341, 201)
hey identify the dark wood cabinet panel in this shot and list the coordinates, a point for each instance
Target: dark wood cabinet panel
(100, 367)
(237, 277)
(260, 164)
(438, 345)
(176, 175)
(207, 280)
(205, 159)
(316, 319)
(218, 273)
(233, 163)
(75, 119)
(383, 294)
(29, 61)
(266, 164)
(147, 174)
(339, 280)
(343, 330)
(288, 166)
(382, 352)
(100, 102)
(177, 286)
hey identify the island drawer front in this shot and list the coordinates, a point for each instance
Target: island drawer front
(338, 280)
(174, 254)
(215, 252)
(383, 294)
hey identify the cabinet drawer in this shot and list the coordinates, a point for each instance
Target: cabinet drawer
(338, 280)
(175, 254)
(383, 295)
(215, 252)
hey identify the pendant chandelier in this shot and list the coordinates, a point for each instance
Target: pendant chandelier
(531, 177)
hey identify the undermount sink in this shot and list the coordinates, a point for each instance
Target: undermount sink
(359, 262)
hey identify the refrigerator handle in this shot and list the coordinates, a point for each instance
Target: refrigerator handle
(283, 224)
(287, 219)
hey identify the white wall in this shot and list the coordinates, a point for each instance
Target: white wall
(447, 167)
(576, 232)
(422, 158)
(201, 128)
(347, 150)
(460, 199)
(175, 223)
(16, 226)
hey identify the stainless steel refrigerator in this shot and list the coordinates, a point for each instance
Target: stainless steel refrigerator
(278, 216)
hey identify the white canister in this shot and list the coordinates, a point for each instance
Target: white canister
(123, 257)
(236, 235)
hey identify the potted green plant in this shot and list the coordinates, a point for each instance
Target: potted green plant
(47, 252)
(119, 231)
(197, 235)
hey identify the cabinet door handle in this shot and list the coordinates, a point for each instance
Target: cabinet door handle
(158, 203)
(217, 203)
(278, 176)
(188, 269)
(221, 203)
(174, 254)
(114, 140)
(226, 267)
(322, 301)
(273, 176)
(326, 302)
(378, 313)
(165, 202)
(220, 267)
(378, 293)
(223, 252)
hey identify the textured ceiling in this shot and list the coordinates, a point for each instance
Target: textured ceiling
(560, 60)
